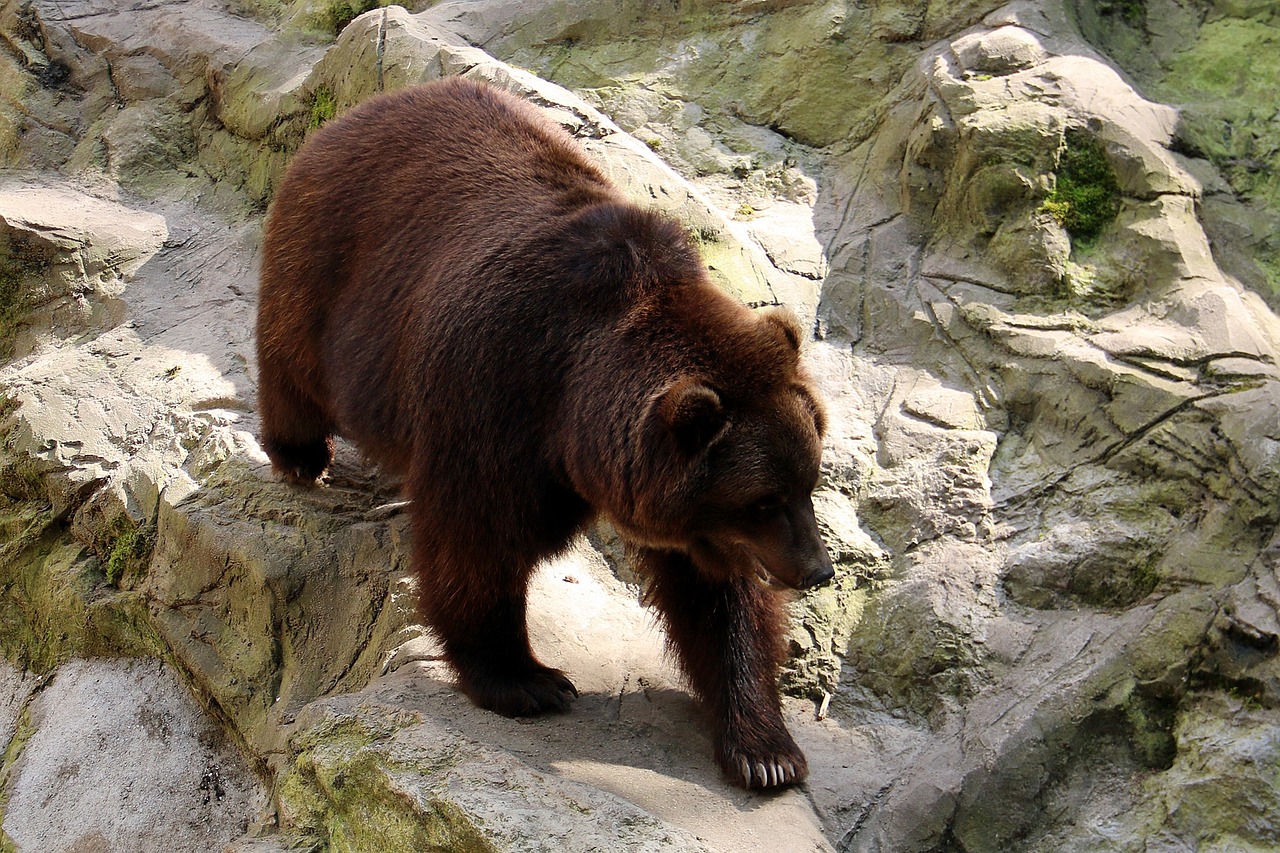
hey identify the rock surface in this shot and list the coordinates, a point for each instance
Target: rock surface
(1040, 303)
(117, 756)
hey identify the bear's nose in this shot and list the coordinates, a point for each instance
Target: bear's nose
(819, 576)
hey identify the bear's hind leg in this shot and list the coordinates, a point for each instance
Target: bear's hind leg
(296, 433)
(481, 622)
(727, 636)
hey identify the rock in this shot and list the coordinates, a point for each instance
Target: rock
(493, 798)
(16, 687)
(784, 231)
(949, 408)
(1217, 70)
(1221, 743)
(619, 764)
(365, 789)
(116, 756)
(116, 413)
(69, 255)
(267, 623)
(147, 142)
(1105, 564)
(1050, 469)
(1001, 51)
(142, 78)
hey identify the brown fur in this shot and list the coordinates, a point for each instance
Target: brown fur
(448, 282)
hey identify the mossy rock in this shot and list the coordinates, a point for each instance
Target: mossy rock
(17, 268)
(14, 82)
(1086, 193)
(334, 16)
(1217, 62)
(54, 601)
(1225, 83)
(911, 658)
(322, 107)
(341, 791)
(55, 606)
(775, 70)
(126, 550)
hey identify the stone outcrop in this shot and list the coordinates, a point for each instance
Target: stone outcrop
(115, 755)
(1039, 296)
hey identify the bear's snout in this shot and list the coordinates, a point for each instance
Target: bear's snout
(808, 553)
(787, 549)
(802, 567)
(821, 575)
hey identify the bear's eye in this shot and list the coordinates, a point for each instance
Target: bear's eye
(767, 505)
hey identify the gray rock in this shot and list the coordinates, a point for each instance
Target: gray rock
(118, 757)
(16, 687)
(376, 770)
(1001, 51)
(70, 254)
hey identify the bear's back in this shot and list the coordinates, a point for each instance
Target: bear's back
(439, 164)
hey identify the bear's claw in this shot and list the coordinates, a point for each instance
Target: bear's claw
(782, 766)
(770, 774)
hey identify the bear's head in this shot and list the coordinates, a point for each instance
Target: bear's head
(743, 442)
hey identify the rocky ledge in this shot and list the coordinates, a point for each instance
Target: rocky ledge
(1041, 314)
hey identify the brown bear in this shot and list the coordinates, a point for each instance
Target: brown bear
(449, 283)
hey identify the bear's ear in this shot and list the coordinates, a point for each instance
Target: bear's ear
(785, 323)
(693, 413)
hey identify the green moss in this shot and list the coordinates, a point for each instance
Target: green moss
(19, 263)
(369, 815)
(1224, 84)
(1217, 63)
(1131, 12)
(1269, 263)
(915, 661)
(323, 107)
(11, 301)
(1150, 718)
(42, 611)
(22, 732)
(20, 482)
(1221, 789)
(1119, 585)
(53, 602)
(775, 71)
(1086, 194)
(127, 551)
(785, 80)
(341, 792)
(54, 606)
(336, 15)
(14, 83)
(25, 512)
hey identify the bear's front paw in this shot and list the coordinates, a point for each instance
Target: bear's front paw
(526, 695)
(771, 763)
